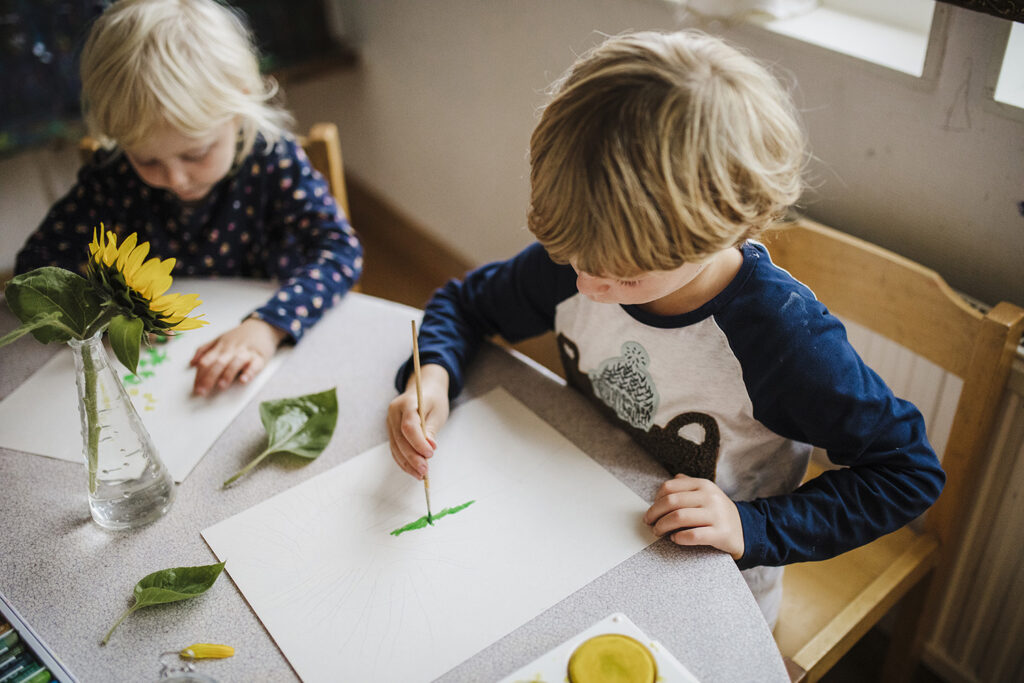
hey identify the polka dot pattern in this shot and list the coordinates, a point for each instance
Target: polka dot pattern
(271, 218)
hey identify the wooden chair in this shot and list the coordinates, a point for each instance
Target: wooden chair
(321, 145)
(323, 148)
(828, 606)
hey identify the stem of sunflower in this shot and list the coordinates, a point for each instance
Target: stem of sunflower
(106, 314)
(89, 400)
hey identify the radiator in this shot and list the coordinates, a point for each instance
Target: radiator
(979, 634)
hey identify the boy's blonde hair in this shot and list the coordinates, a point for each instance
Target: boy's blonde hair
(189, 63)
(658, 150)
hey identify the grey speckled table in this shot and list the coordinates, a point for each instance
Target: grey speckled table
(70, 579)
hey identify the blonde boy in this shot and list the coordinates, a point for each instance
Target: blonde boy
(659, 159)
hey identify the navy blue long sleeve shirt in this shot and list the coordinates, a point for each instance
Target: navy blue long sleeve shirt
(737, 391)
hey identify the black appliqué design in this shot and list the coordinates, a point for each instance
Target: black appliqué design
(676, 453)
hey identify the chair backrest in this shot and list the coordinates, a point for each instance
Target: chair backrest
(322, 146)
(913, 306)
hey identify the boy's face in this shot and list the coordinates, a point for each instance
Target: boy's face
(640, 289)
(187, 166)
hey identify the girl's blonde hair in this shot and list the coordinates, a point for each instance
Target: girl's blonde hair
(658, 150)
(189, 63)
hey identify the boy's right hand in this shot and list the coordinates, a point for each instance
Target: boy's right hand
(409, 446)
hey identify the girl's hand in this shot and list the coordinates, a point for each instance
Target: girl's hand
(699, 513)
(409, 446)
(238, 354)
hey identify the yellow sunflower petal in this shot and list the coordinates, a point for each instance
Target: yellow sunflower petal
(163, 303)
(94, 246)
(189, 324)
(110, 249)
(135, 260)
(175, 304)
(125, 250)
(144, 276)
(157, 286)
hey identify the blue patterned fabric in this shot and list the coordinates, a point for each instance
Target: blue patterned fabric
(272, 217)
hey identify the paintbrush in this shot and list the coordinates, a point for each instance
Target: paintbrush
(419, 411)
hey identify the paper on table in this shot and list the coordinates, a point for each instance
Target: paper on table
(183, 427)
(345, 600)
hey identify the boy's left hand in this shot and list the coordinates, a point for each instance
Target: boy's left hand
(238, 354)
(699, 513)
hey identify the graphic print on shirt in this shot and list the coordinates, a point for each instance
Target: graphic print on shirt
(624, 392)
(624, 385)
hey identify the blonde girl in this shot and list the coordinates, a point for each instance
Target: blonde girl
(197, 159)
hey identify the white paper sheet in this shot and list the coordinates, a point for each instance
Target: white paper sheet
(346, 600)
(41, 416)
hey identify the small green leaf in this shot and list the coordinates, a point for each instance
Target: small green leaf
(170, 585)
(125, 338)
(302, 426)
(54, 290)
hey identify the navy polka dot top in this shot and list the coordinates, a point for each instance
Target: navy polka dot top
(272, 217)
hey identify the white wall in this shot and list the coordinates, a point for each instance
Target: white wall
(437, 119)
(439, 116)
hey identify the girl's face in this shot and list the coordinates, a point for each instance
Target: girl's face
(187, 166)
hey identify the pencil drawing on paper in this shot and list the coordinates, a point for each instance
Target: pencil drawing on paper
(424, 520)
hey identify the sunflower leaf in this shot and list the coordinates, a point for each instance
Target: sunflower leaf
(125, 338)
(170, 585)
(54, 290)
(302, 425)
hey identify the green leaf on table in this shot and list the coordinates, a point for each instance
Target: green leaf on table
(48, 290)
(170, 585)
(125, 338)
(302, 426)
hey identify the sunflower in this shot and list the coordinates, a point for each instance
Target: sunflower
(138, 286)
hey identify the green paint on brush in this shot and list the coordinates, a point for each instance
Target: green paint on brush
(423, 521)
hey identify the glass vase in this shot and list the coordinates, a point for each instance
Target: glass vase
(128, 483)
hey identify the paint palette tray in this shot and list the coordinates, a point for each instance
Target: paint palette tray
(553, 666)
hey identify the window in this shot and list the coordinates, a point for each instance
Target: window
(1010, 85)
(892, 34)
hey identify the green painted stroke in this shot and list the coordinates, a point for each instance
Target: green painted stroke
(423, 521)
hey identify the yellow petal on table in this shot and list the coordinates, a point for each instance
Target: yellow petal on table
(207, 651)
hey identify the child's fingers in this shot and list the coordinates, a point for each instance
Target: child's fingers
(200, 352)
(233, 369)
(208, 369)
(414, 434)
(696, 535)
(672, 501)
(411, 463)
(681, 519)
(679, 483)
(409, 460)
(403, 423)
